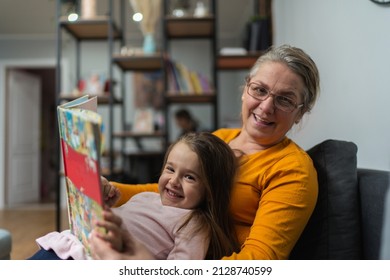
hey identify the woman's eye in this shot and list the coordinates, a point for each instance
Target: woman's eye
(260, 91)
(285, 101)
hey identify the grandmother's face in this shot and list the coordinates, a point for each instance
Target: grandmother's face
(264, 123)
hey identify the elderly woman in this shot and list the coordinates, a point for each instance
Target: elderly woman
(276, 188)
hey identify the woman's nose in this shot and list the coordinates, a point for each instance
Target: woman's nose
(267, 105)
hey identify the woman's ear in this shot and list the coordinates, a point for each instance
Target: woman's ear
(299, 116)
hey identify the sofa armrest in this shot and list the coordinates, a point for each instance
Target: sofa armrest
(5, 244)
(373, 186)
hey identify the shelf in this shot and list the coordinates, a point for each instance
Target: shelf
(126, 134)
(102, 99)
(90, 29)
(190, 27)
(190, 98)
(139, 62)
(145, 154)
(237, 62)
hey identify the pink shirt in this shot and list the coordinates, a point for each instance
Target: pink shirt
(156, 226)
(148, 221)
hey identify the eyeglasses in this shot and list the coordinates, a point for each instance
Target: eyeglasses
(283, 103)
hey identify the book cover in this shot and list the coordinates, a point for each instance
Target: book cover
(81, 145)
(173, 84)
(180, 79)
(196, 82)
(206, 86)
(184, 73)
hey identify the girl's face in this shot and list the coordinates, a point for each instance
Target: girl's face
(180, 184)
(264, 123)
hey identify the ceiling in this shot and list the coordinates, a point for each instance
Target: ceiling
(20, 18)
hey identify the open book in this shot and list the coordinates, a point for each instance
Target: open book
(81, 145)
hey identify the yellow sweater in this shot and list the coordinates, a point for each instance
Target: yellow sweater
(272, 200)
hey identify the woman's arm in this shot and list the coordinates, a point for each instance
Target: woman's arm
(128, 190)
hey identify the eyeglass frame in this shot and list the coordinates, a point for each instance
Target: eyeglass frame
(270, 94)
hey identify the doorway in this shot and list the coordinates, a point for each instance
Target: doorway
(43, 166)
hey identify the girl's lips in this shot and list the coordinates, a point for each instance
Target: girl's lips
(173, 194)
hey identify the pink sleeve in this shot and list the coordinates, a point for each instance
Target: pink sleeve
(189, 246)
(64, 244)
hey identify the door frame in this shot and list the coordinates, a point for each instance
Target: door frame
(4, 66)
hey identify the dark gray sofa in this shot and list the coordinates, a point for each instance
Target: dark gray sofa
(347, 221)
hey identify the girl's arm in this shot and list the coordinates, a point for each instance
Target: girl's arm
(189, 245)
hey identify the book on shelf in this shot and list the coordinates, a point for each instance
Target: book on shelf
(173, 83)
(81, 146)
(185, 76)
(182, 80)
(196, 82)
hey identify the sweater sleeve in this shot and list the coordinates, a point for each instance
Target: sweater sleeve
(128, 190)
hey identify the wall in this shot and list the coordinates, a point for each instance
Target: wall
(350, 42)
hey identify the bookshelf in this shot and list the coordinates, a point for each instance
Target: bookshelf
(106, 30)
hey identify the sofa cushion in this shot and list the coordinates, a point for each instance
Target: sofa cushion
(333, 231)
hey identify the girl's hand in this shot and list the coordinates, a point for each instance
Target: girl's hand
(110, 193)
(102, 250)
(117, 243)
(133, 249)
(112, 233)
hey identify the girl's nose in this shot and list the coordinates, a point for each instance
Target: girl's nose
(174, 181)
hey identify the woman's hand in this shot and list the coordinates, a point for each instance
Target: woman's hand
(110, 193)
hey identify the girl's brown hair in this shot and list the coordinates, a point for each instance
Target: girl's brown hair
(218, 166)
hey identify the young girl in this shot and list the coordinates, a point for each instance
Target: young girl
(189, 218)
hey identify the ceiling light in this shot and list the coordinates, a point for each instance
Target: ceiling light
(137, 17)
(73, 17)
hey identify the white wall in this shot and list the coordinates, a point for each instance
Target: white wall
(350, 42)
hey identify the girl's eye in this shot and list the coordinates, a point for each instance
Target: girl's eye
(190, 177)
(169, 168)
